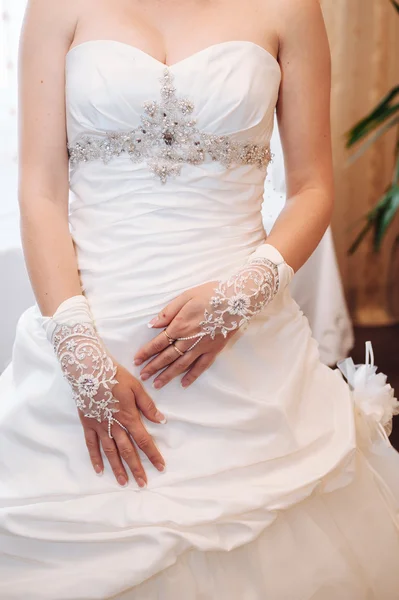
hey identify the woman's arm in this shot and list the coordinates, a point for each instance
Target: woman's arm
(304, 120)
(43, 161)
(109, 409)
(303, 112)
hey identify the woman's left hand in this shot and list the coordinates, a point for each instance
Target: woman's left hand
(181, 318)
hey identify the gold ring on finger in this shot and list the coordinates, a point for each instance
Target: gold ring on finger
(178, 350)
(170, 339)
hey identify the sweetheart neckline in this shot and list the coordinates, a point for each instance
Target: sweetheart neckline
(183, 60)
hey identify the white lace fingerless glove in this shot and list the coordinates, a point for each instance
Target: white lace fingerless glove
(244, 294)
(247, 292)
(84, 361)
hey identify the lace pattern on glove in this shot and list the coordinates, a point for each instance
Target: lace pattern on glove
(88, 369)
(241, 297)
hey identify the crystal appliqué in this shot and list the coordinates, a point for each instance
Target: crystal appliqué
(241, 297)
(88, 369)
(168, 138)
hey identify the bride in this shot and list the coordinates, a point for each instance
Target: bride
(165, 354)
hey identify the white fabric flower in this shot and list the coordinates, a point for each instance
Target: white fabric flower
(372, 395)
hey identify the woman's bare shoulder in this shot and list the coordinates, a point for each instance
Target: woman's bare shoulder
(58, 16)
(288, 8)
(298, 23)
(285, 13)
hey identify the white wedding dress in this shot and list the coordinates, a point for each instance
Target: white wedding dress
(280, 482)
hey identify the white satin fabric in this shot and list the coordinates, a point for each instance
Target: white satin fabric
(260, 447)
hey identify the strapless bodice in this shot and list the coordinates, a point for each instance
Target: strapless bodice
(232, 87)
(167, 166)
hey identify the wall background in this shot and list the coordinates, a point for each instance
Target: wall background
(364, 40)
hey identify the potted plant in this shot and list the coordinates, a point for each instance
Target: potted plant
(383, 118)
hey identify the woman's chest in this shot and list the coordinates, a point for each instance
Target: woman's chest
(171, 30)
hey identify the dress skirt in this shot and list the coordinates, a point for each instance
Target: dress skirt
(280, 481)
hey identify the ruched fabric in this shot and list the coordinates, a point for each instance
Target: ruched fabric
(279, 482)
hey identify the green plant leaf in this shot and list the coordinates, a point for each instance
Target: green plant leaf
(379, 218)
(395, 4)
(368, 143)
(358, 240)
(386, 216)
(381, 205)
(381, 119)
(395, 178)
(382, 112)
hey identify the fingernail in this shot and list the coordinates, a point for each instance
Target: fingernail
(184, 384)
(138, 361)
(141, 483)
(144, 377)
(99, 470)
(160, 467)
(153, 322)
(157, 385)
(122, 481)
(160, 417)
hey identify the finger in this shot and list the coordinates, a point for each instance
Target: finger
(93, 446)
(111, 452)
(145, 442)
(155, 346)
(180, 326)
(178, 367)
(164, 359)
(167, 314)
(146, 405)
(197, 368)
(129, 454)
(158, 344)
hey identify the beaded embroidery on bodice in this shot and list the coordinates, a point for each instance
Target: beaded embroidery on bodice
(167, 138)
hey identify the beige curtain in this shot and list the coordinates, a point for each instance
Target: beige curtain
(364, 40)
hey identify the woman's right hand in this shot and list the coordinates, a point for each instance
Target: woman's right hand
(132, 400)
(109, 399)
